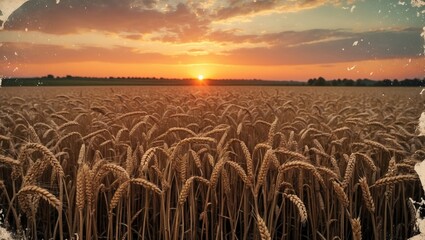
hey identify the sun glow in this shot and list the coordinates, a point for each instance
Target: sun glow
(200, 77)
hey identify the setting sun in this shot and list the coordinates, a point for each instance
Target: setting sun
(200, 77)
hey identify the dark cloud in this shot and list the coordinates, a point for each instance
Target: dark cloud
(237, 8)
(133, 36)
(184, 20)
(371, 45)
(280, 38)
(71, 16)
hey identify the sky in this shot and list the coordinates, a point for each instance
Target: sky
(219, 39)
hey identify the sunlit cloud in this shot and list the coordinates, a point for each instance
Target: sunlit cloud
(306, 47)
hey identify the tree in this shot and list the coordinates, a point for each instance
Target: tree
(321, 81)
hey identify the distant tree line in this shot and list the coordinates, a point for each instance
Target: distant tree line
(69, 80)
(366, 82)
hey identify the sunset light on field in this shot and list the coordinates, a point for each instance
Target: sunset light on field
(275, 40)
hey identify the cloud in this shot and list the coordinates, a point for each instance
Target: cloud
(15, 53)
(287, 48)
(243, 8)
(188, 20)
(280, 38)
(335, 46)
(72, 16)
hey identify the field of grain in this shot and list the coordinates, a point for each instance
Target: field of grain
(209, 162)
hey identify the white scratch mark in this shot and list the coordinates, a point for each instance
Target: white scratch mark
(351, 68)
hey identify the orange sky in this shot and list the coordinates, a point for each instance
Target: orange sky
(379, 69)
(263, 39)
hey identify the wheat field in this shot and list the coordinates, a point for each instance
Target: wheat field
(209, 162)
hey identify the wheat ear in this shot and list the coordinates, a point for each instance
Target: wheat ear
(240, 172)
(262, 227)
(216, 172)
(43, 193)
(395, 179)
(357, 228)
(349, 170)
(367, 197)
(376, 145)
(342, 197)
(80, 192)
(186, 187)
(263, 170)
(122, 189)
(299, 204)
(249, 162)
(48, 155)
(146, 184)
(9, 161)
